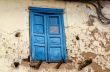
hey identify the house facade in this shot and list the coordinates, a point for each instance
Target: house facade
(75, 35)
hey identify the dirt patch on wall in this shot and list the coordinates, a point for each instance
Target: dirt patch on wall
(88, 55)
(107, 70)
(107, 44)
(96, 67)
(90, 21)
(93, 32)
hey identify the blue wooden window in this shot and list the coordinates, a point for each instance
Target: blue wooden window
(47, 39)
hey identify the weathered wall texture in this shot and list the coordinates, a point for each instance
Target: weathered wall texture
(94, 37)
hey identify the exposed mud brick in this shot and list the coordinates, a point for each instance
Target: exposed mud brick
(88, 55)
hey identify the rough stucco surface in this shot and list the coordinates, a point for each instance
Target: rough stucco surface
(94, 37)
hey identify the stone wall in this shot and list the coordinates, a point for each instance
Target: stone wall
(86, 37)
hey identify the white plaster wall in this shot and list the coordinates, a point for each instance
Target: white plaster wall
(94, 40)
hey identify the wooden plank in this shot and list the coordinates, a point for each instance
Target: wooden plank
(58, 65)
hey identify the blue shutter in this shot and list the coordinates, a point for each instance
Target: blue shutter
(38, 34)
(55, 42)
